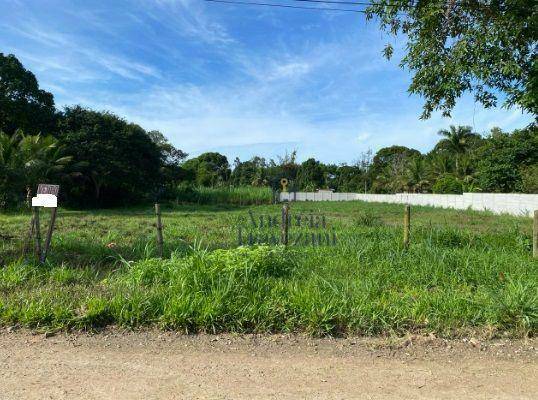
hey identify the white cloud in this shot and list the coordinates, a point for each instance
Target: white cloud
(290, 70)
(74, 54)
(189, 19)
(329, 96)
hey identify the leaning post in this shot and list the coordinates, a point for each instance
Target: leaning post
(407, 225)
(49, 235)
(535, 235)
(285, 224)
(37, 232)
(160, 241)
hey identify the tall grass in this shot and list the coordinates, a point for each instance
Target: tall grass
(454, 278)
(244, 195)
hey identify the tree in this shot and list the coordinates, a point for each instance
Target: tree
(417, 175)
(209, 169)
(122, 163)
(251, 172)
(453, 47)
(171, 171)
(285, 167)
(440, 164)
(171, 155)
(351, 178)
(22, 104)
(457, 140)
(310, 175)
(389, 168)
(27, 160)
(499, 162)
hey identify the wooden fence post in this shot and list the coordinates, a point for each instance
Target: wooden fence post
(49, 235)
(37, 231)
(28, 196)
(407, 225)
(30, 237)
(535, 235)
(285, 224)
(160, 241)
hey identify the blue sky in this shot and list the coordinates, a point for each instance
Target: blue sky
(235, 79)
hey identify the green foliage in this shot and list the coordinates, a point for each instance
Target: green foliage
(22, 104)
(252, 172)
(209, 169)
(102, 160)
(500, 159)
(311, 175)
(448, 184)
(529, 179)
(464, 271)
(242, 195)
(416, 175)
(389, 169)
(455, 47)
(25, 161)
(122, 163)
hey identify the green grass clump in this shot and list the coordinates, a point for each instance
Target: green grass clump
(463, 272)
(244, 195)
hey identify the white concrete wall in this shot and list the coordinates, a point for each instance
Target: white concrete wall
(499, 203)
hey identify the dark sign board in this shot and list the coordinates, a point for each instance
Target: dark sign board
(48, 189)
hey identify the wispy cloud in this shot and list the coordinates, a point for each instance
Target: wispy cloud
(229, 79)
(71, 53)
(189, 19)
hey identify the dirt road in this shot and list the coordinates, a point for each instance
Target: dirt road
(153, 365)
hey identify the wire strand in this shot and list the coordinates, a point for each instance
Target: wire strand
(286, 6)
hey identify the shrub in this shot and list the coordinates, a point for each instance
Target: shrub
(529, 179)
(448, 184)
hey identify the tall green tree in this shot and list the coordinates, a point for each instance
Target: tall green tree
(311, 175)
(23, 105)
(209, 169)
(122, 163)
(456, 46)
(457, 140)
(251, 172)
(416, 175)
(499, 162)
(388, 168)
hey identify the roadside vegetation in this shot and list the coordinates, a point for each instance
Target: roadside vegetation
(101, 160)
(464, 272)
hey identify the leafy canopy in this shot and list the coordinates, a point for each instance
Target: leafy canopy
(22, 104)
(457, 46)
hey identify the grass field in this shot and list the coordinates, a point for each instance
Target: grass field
(464, 272)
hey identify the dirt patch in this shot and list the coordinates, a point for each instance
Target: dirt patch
(156, 365)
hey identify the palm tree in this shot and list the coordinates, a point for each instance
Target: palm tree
(25, 160)
(416, 175)
(41, 157)
(441, 164)
(457, 139)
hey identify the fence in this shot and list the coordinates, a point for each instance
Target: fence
(499, 203)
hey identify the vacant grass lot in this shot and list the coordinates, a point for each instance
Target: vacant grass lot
(464, 272)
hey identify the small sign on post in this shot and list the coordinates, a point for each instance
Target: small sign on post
(47, 196)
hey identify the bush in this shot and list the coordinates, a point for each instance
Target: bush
(448, 184)
(529, 179)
